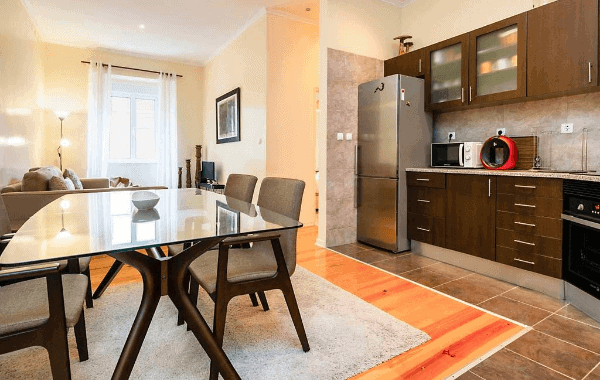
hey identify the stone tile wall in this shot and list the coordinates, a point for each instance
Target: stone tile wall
(345, 71)
(521, 119)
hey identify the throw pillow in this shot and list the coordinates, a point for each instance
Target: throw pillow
(60, 183)
(53, 170)
(71, 174)
(36, 180)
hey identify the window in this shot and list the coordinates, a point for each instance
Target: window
(134, 120)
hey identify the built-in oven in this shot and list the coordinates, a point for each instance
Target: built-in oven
(581, 235)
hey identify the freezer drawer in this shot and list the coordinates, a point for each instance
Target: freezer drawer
(376, 201)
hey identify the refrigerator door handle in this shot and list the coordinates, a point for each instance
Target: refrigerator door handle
(356, 159)
(356, 189)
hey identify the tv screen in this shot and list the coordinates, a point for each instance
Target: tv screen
(208, 171)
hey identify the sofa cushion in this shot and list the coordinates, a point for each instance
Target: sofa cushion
(49, 169)
(37, 180)
(69, 173)
(60, 183)
(15, 187)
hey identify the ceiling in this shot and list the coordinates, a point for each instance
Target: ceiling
(399, 3)
(189, 31)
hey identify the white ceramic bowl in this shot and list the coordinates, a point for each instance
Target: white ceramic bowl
(144, 200)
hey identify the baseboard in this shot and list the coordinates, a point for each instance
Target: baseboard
(531, 280)
(583, 301)
(320, 243)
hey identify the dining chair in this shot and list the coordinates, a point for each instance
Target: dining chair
(83, 266)
(37, 310)
(267, 265)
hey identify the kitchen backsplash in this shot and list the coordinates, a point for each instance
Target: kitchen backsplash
(523, 119)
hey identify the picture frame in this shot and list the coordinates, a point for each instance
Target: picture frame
(228, 220)
(228, 117)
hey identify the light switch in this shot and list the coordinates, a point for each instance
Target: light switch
(349, 136)
(340, 136)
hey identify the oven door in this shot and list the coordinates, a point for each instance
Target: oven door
(444, 155)
(582, 249)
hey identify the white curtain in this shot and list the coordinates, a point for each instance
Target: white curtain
(167, 130)
(99, 92)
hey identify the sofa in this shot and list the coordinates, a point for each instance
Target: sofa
(21, 205)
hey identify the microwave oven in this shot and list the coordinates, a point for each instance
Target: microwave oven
(461, 155)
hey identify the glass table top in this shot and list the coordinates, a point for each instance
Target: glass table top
(79, 225)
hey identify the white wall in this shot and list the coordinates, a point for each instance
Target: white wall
(292, 68)
(241, 64)
(21, 93)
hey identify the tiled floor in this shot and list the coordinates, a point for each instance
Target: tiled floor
(564, 342)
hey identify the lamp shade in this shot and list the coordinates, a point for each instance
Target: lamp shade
(62, 115)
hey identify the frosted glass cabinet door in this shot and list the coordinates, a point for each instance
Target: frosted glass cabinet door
(497, 64)
(446, 76)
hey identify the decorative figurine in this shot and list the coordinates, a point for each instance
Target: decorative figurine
(180, 185)
(198, 163)
(188, 176)
(402, 48)
(407, 46)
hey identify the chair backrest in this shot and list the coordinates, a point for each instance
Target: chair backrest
(241, 186)
(283, 196)
(4, 221)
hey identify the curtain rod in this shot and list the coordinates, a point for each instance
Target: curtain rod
(131, 68)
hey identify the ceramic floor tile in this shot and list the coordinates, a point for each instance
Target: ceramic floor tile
(347, 249)
(515, 310)
(469, 376)
(506, 365)
(404, 263)
(578, 315)
(536, 299)
(474, 288)
(428, 278)
(556, 354)
(595, 375)
(571, 331)
(371, 256)
(448, 270)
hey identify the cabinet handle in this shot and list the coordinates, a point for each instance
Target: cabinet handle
(423, 200)
(525, 187)
(462, 95)
(423, 179)
(525, 224)
(419, 65)
(522, 205)
(590, 71)
(470, 94)
(489, 187)
(524, 242)
(423, 229)
(523, 261)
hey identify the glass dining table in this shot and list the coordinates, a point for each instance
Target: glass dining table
(82, 225)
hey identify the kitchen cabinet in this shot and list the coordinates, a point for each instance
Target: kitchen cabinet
(562, 47)
(497, 64)
(426, 202)
(471, 214)
(411, 64)
(446, 77)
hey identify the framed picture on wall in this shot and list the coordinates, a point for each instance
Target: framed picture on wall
(228, 117)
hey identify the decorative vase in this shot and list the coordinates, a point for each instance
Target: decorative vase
(179, 184)
(188, 176)
(198, 164)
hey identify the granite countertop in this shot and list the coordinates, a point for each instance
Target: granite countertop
(510, 173)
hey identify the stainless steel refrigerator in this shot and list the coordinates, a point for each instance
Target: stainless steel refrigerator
(394, 133)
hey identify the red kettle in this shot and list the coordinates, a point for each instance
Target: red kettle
(499, 153)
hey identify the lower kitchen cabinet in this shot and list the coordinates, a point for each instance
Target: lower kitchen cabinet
(471, 214)
(426, 229)
(529, 261)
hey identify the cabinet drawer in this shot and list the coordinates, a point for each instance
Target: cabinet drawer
(534, 225)
(529, 261)
(537, 187)
(427, 201)
(426, 229)
(437, 180)
(529, 205)
(527, 243)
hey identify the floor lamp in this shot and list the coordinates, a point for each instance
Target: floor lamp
(63, 142)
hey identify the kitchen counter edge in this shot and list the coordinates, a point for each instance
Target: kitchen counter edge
(509, 173)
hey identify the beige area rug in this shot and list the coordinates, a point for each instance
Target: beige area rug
(346, 334)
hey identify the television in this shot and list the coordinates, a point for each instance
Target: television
(207, 174)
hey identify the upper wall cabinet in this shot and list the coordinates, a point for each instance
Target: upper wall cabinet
(411, 64)
(562, 48)
(446, 78)
(497, 64)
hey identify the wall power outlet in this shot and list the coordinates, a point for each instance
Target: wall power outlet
(451, 136)
(566, 128)
(501, 131)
